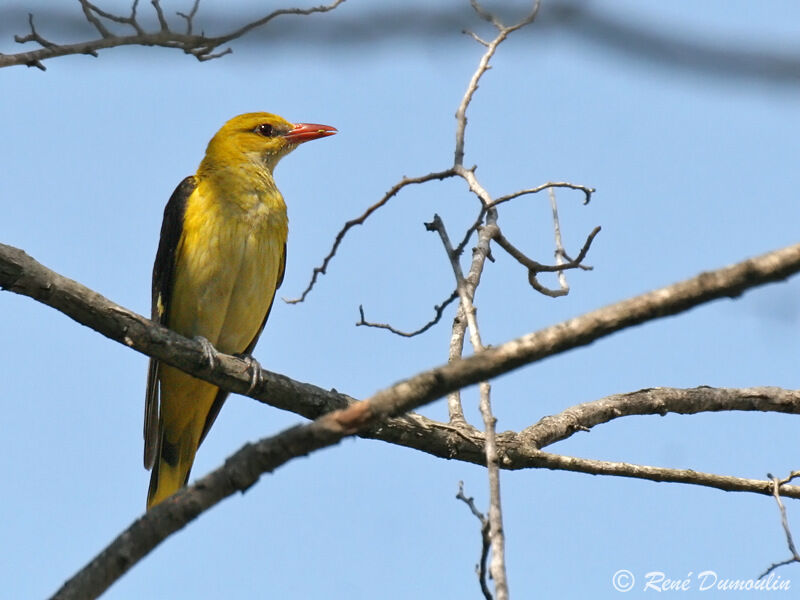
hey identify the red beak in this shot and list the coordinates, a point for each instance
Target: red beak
(303, 132)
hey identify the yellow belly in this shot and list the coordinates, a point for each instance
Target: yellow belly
(227, 266)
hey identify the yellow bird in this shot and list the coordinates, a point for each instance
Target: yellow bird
(220, 260)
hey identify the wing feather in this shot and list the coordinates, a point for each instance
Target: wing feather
(163, 281)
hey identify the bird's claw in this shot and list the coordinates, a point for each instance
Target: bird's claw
(209, 352)
(254, 367)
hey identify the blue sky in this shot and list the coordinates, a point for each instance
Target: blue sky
(693, 169)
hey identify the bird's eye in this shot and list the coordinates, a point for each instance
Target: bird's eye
(265, 129)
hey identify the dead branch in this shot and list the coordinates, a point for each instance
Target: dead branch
(658, 401)
(438, 309)
(535, 267)
(200, 46)
(480, 568)
(393, 191)
(239, 472)
(21, 274)
(776, 485)
(466, 294)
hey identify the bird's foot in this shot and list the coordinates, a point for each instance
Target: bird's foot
(209, 352)
(254, 367)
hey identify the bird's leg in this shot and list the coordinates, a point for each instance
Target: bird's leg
(254, 367)
(209, 352)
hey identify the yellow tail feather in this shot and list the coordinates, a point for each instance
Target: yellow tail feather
(171, 470)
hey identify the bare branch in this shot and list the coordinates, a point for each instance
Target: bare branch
(483, 66)
(481, 252)
(502, 199)
(535, 267)
(438, 309)
(588, 191)
(88, 10)
(201, 47)
(792, 476)
(21, 274)
(538, 267)
(162, 20)
(243, 469)
(466, 294)
(393, 191)
(559, 251)
(190, 17)
(659, 401)
(520, 451)
(726, 483)
(475, 37)
(239, 472)
(480, 568)
(776, 484)
(33, 36)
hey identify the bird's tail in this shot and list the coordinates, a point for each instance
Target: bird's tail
(172, 467)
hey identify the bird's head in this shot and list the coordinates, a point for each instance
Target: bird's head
(259, 138)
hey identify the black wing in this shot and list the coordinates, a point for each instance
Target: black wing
(163, 279)
(219, 399)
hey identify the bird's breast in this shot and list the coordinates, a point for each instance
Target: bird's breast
(227, 267)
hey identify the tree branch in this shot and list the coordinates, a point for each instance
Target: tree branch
(393, 191)
(466, 294)
(21, 274)
(480, 568)
(239, 473)
(199, 46)
(795, 557)
(438, 309)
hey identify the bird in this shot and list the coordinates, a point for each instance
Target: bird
(221, 257)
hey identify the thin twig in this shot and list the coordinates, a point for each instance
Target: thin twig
(438, 309)
(496, 533)
(587, 191)
(190, 17)
(559, 252)
(480, 254)
(776, 484)
(545, 186)
(535, 267)
(162, 20)
(538, 267)
(483, 66)
(88, 11)
(480, 568)
(393, 191)
(201, 47)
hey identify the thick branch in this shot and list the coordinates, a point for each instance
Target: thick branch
(239, 473)
(659, 401)
(23, 275)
